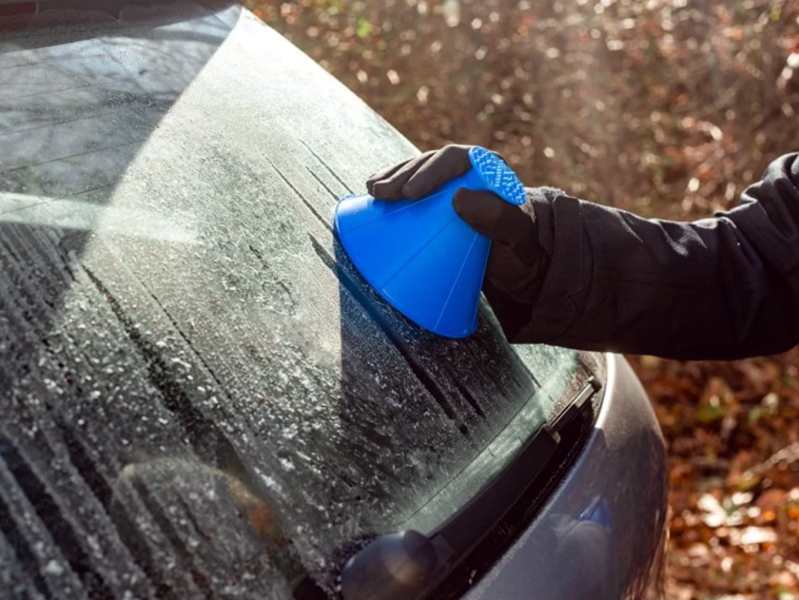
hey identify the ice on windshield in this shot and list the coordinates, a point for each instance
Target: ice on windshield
(214, 401)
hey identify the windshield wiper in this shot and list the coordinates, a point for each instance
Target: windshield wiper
(408, 564)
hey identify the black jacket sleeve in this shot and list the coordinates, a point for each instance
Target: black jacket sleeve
(719, 288)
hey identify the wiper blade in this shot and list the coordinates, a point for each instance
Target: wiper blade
(408, 564)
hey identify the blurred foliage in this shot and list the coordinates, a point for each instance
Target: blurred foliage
(665, 107)
(733, 436)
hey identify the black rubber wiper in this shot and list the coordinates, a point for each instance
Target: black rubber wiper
(409, 564)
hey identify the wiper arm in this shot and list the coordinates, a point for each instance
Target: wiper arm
(408, 564)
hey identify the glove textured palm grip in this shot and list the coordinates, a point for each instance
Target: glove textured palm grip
(497, 175)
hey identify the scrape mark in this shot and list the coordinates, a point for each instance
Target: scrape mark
(202, 433)
(96, 482)
(166, 526)
(468, 396)
(326, 166)
(307, 204)
(380, 321)
(24, 554)
(205, 437)
(323, 184)
(276, 280)
(49, 512)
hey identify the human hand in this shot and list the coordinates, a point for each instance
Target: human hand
(417, 177)
(516, 261)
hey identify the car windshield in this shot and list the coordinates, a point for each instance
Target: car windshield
(182, 341)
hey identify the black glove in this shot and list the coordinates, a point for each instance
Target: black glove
(517, 262)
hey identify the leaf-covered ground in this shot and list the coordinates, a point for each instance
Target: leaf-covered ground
(666, 107)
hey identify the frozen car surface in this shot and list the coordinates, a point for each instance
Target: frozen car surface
(200, 397)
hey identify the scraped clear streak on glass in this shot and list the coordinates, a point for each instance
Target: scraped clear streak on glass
(419, 255)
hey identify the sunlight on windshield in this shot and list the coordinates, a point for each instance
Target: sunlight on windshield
(82, 216)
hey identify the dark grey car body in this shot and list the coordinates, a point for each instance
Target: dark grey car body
(172, 290)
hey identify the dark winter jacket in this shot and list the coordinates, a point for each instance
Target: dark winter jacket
(718, 288)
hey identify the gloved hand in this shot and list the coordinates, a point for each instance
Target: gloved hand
(516, 263)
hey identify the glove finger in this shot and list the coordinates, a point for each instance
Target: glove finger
(385, 174)
(390, 188)
(447, 163)
(495, 218)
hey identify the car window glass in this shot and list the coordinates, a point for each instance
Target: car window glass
(198, 385)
